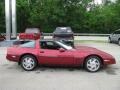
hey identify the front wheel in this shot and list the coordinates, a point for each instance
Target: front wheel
(93, 64)
(28, 62)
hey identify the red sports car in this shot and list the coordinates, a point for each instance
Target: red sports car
(49, 52)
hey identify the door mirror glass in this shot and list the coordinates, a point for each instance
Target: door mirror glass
(62, 50)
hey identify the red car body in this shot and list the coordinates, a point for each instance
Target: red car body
(30, 34)
(74, 57)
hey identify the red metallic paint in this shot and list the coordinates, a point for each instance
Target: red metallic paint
(30, 36)
(73, 57)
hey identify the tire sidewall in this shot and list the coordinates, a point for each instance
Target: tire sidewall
(34, 59)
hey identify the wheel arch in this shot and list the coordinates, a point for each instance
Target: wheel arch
(27, 54)
(93, 55)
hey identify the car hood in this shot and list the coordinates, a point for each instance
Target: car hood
(92, 50)
(86, 48)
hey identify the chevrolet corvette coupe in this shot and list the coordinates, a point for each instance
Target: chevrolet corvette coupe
(56, 53)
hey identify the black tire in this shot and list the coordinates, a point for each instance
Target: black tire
(93, 66)
(28, 62)
(109, 40)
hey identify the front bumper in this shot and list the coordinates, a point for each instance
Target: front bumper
(109, 61)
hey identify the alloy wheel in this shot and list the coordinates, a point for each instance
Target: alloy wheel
(28, 63)
(93, 64)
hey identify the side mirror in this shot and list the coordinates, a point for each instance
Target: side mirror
(62, 50)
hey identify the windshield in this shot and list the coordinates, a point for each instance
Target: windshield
(64, 45)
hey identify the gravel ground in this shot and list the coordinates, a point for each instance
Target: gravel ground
(13, 77)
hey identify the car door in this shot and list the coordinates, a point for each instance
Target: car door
(47, 53)
(113, 36)
(53, 56)
(118, 36)
(48, 56)
(66, 57)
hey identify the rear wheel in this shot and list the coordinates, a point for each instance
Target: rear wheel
(93, 63)
(28, 62)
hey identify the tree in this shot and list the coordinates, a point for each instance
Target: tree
(49, 14)
(2, 16)
(83, 16)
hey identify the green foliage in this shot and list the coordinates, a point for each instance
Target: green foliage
(49, 14)
(2, 16)
(23, 11)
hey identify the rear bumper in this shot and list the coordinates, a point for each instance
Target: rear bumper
(12, 58)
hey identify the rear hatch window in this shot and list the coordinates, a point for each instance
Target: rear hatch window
(32, 30)
(63, 30)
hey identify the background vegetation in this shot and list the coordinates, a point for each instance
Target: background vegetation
(84, 16)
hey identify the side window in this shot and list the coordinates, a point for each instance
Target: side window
(30, 44)
(117, 32)
(49, 45)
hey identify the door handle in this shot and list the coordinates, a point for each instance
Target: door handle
(41, 51)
